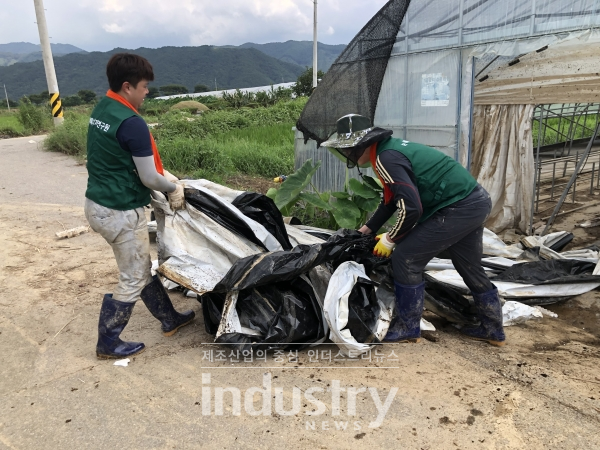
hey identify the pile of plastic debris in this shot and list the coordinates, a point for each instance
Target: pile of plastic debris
(271, 285)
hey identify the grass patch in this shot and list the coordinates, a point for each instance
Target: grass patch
(10, 125)
(71, 137)
(263, 151)
(215, 145)
(557, 130)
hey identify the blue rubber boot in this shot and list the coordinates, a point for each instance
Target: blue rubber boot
(114, 316)
(156, 298)
(406, 326)
(489, 311)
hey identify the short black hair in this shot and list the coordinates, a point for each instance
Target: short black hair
(124, 67)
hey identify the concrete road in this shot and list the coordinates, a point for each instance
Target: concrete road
(540, 391)
(35, 176)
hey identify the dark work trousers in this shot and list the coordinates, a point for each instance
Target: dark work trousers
(457, 228)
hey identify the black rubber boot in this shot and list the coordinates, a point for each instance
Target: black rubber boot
(114, 316)
(406, 326)
(489, 311)
(156, 299)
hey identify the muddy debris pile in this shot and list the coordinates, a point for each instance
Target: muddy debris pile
(266, 284)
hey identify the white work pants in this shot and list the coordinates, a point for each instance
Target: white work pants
(127, 234)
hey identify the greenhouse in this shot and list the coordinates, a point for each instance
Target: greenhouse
(478, 80)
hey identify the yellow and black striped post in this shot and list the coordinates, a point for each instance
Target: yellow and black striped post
(56, 105)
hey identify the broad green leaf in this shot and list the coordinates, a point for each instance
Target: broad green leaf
(373, 183)
(325, 196)
(344, 195)
(367, 204)
(314, 200)
(292, 187)
(272, 193)
(346, 213)
(362, 190)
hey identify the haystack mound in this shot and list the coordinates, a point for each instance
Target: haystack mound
(191, 106)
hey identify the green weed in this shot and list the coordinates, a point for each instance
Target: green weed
(34, 119)
(71, 137)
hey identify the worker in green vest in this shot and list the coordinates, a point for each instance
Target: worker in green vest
(440, 207)
(124, 167)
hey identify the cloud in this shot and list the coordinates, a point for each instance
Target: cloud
(105, 24)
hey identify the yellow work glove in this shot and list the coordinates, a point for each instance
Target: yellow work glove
(384, 246)
(176, 198)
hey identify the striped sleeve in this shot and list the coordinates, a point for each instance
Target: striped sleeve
(396, 171)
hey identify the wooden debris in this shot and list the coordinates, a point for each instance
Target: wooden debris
(72, 232)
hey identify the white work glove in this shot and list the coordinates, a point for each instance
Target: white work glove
(384, 246)
(177, 198)
(169, 176)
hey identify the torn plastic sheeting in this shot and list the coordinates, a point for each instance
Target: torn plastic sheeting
(262, 209)
(514, 313)
(449, 304)
(516, 290)
(557, 241)
(198, 251)
(444, 264)
(262, 269)
(297, 236)
(349, 290)
(494, 246)
(560, 271)
(281, 315)
(228, 216)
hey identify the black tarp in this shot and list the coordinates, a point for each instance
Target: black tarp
(556, 271)
(221, 214)
(262, 209)
(274, 267)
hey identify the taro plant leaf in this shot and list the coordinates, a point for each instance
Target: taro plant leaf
(346, 213)
(373, 183)
(325, 196)
(344, 195)
(272, 193)
(314, 200)
(292, 187)
(367, 204)
(362, 190)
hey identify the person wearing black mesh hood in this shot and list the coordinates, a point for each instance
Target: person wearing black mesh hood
(440, 207)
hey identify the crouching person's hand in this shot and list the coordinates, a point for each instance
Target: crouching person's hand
(384, 246)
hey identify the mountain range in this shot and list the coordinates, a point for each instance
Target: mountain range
(16, 52)
(300, 52)
(227, 67)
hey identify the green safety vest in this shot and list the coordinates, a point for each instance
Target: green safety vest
(441, 180)
(113, 180)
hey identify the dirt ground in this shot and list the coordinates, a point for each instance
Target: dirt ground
(542, 390)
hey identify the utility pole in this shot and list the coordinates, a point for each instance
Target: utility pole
(315, 69)
(7, 102)
(55, 103)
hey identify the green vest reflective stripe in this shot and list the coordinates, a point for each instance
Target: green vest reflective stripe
(113, 181)
(441, 180)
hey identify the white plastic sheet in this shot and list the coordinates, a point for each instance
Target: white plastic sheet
(514, 313)
(194, 250)
(517, 290)
(336, 309)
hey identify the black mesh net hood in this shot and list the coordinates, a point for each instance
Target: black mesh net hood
(352, 84)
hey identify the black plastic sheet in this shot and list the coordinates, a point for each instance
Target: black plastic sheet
(287, 315)
(363, 312)
(221, 214)
(556, 271)
(262, 209)
(274, 267)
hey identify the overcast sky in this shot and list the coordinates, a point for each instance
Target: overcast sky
(105, 24)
